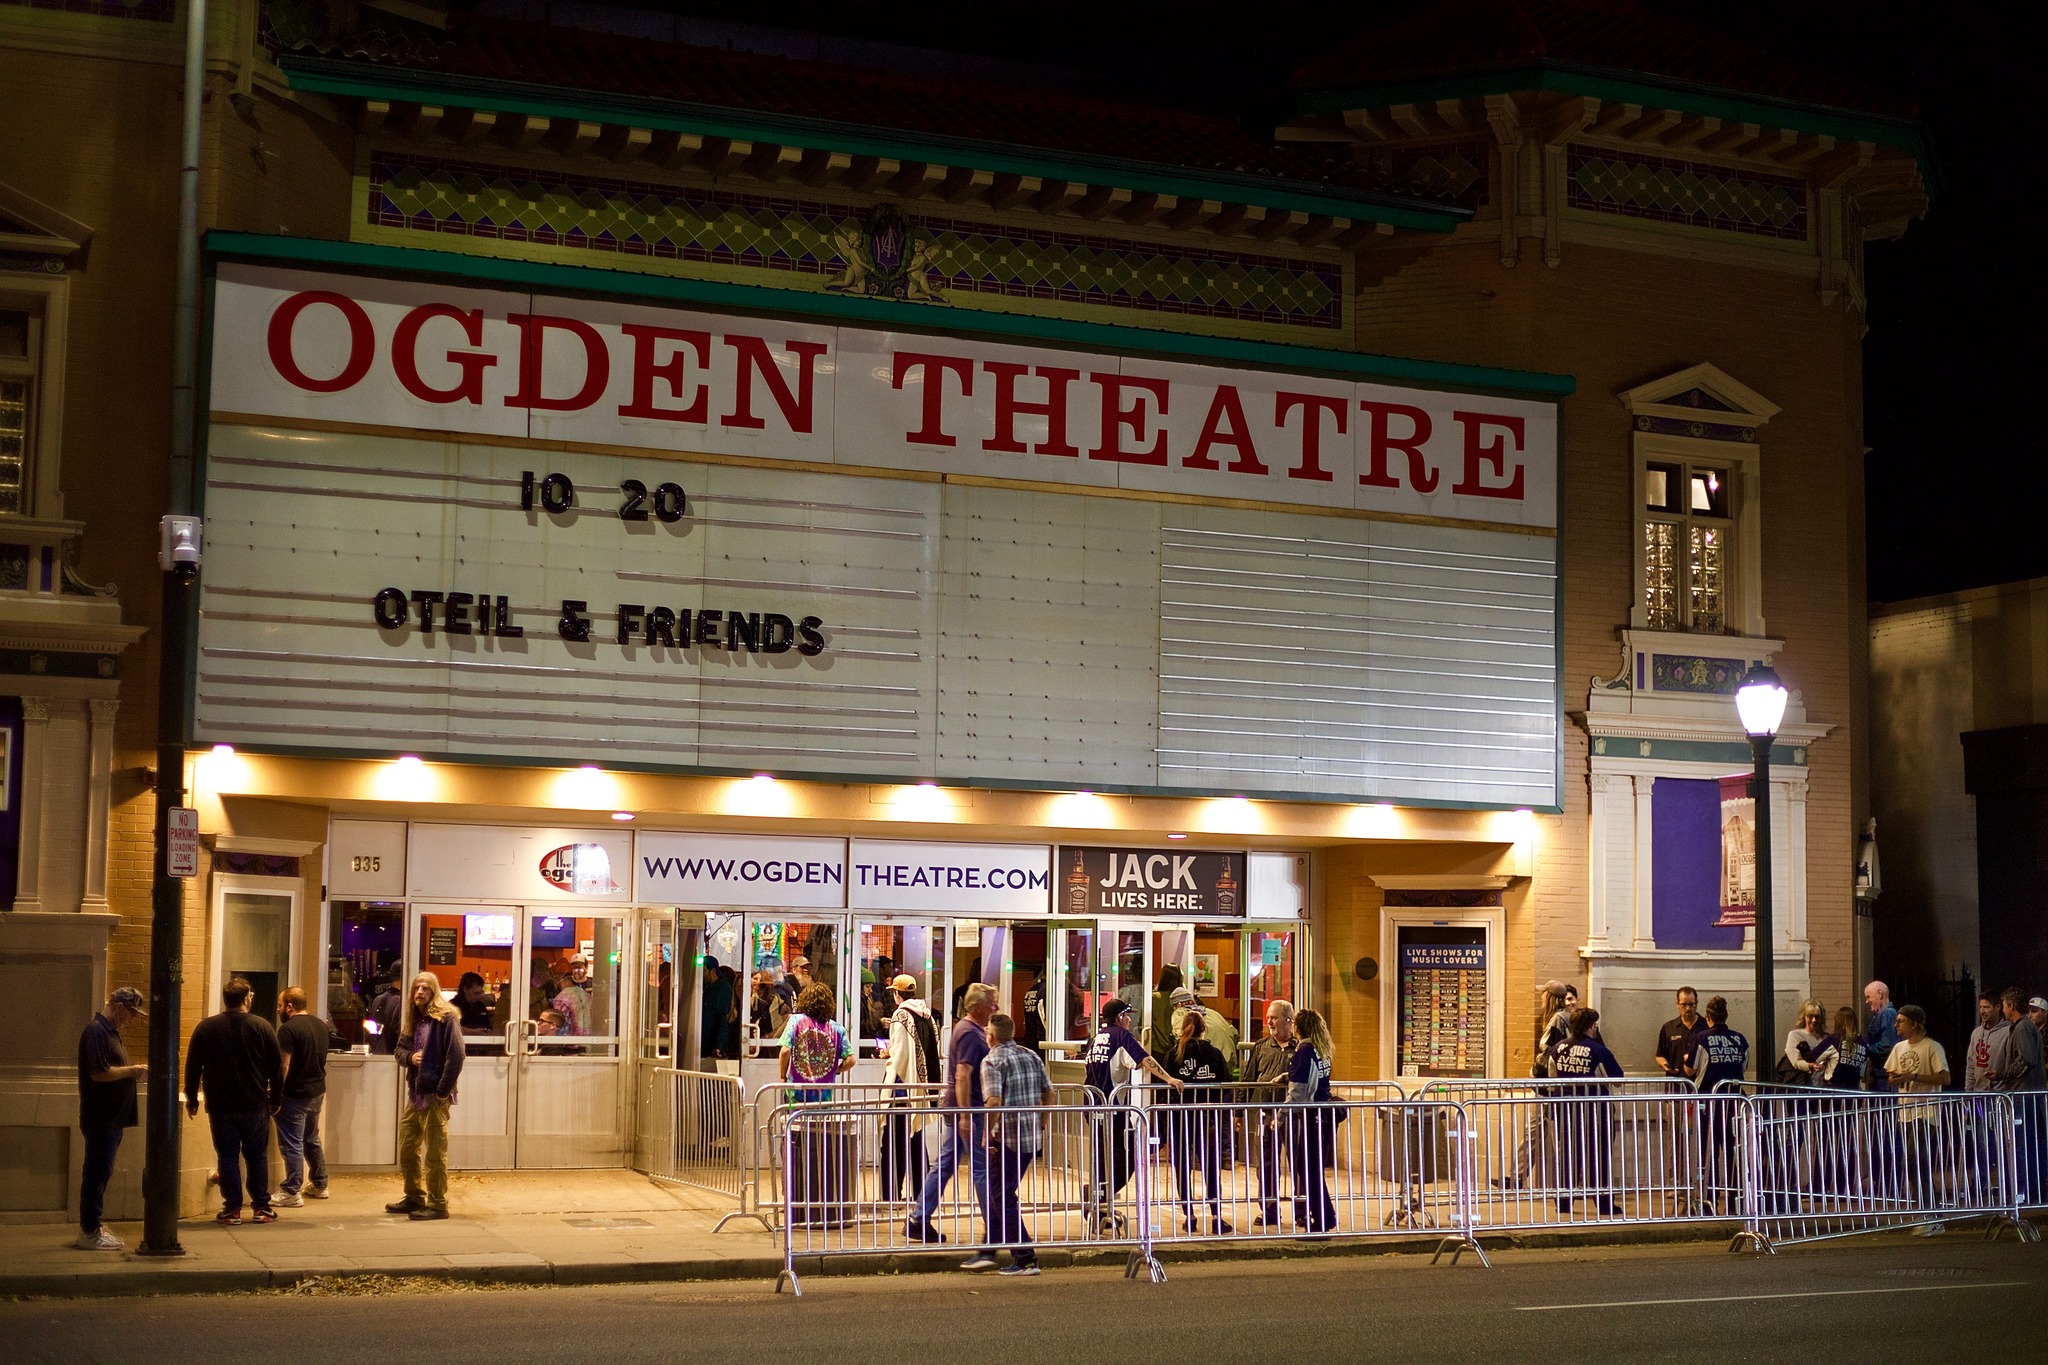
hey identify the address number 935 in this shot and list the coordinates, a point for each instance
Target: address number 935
(366, 863)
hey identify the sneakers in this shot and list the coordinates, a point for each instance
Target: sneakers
(923, 1232)
(980, 1260)
(229, 1218)
(402, 1206)
(316, 1192)
(1019, 1268)
(427, 1215)
(99, 1239)
(263, 1216)
(291, 1199)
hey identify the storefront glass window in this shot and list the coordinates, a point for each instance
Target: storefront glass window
(574, 973)
(794, 954)
(1271, 954)
(366, 941)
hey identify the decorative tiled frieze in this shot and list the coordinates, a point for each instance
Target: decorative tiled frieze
(1696, 673)
(1666, 190)
(814, 245)
(1454, 173)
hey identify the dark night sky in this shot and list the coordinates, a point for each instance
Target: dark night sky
(1956, 354)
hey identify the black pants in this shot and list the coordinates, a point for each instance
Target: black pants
(1116, 1158)
(101, 1146)
(902, 1155)
(1194, 1140)
(1272, 1141)
(1313, 1144)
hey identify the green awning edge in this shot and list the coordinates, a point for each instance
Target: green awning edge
(1569, 78)
(885, 313)
(352, 80)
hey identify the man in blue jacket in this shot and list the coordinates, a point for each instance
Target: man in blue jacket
(1881, 1034)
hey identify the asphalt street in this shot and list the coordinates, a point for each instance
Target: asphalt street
(1898, 1300)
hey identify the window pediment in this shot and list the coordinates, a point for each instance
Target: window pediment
(1700, 392)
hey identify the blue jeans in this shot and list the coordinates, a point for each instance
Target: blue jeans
(101, 1144)
(239, 1138)
(942, 1170)
(298, 1140)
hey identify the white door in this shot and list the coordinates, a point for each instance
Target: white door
(541, 1082)
(1134, 957)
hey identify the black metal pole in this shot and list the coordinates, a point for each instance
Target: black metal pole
(164, 1153)
(1766, 1045)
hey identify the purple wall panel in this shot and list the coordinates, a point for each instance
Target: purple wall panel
(1685, 865)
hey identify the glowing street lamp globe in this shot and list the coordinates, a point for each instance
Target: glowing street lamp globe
(1760, 701)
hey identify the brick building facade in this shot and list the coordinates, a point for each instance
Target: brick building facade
(1664, 229)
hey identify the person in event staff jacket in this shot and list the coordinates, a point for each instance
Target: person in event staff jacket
(1586, 1131)
(1722, 1055)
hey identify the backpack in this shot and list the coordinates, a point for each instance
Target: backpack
(813, 1051)
(927, 1045)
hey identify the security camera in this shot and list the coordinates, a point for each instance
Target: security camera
(179, 545)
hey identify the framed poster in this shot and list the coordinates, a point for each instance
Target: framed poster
(1206, 984)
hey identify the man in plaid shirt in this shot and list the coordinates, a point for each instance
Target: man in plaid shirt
(1013, 1078)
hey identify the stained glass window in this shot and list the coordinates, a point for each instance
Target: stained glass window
(1688, 516)
(17, 339)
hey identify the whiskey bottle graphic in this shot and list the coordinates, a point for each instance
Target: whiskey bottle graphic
(1226, 891)
(1077, 887)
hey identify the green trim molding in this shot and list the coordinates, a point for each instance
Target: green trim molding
(1569, 78)
(1694, 751)
(862, 311)
(351, 80)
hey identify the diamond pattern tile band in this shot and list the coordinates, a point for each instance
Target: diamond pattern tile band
(1669, 191)
(795, 243)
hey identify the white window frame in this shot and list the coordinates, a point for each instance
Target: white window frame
(226, 884)
(1742, 559)
(46, 300)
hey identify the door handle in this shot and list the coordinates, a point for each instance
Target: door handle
(533, 1037)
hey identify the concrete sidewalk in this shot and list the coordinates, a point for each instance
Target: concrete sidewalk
(555, 1227)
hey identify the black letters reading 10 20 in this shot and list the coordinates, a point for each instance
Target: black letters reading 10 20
(676, 628)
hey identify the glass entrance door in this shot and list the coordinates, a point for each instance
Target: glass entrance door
(1074, 996)
(538, 997)
(1142, 963)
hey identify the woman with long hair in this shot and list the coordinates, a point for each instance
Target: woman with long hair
(815, 1050)
(1539, 1141)
(1201, 1070)
(1315, 1125)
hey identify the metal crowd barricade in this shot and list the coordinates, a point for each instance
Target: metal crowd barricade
(1055, 1176)
(1829, 1163)
(1352, 1170)
(2030, 1139)
(706, 1144)
(1583, 1158)
(895, 1113)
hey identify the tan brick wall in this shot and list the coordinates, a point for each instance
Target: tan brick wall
(1614, 319)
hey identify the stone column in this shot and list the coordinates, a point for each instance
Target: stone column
(99, 797)
(35, 747)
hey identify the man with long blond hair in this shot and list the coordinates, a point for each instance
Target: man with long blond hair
(430, 1057)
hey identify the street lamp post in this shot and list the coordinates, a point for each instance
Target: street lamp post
(1760, 701)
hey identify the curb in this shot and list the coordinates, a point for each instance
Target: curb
(156, 1281)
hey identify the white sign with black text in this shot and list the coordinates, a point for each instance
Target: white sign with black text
(981, 880)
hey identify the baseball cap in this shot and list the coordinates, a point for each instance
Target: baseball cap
(905, 983)
(129, 996)
(2039, 1002)
(1114, 1009)
(1183, 996)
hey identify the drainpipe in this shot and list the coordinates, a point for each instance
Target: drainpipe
(179, 559)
